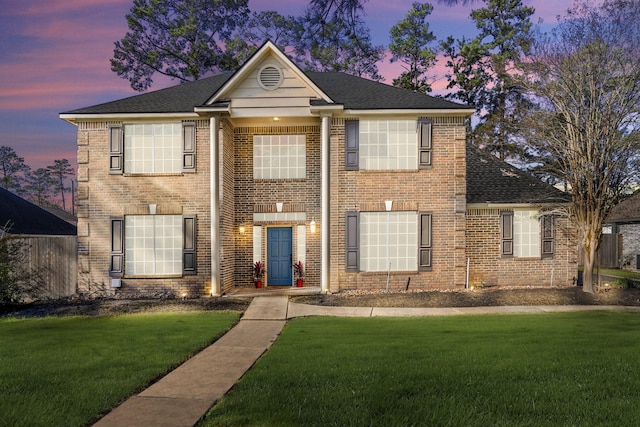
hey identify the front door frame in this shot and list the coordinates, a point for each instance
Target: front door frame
(280, 274)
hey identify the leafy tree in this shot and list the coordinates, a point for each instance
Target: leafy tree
(410, 39)
(585, 79)
(12, 170)
(180, 39)
(60, 170)
(332, 36)
(40, 186)
(18, 282)
(260, 27)
(483, 69)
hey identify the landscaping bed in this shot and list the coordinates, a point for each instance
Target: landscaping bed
(477, 297)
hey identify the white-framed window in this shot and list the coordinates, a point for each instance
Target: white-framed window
(526, 234)
(388, 240)
(153, 148)
(153, 245)
(388, 144)
(279, 157)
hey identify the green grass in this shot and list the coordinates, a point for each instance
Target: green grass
(67, 371)
(562, 369)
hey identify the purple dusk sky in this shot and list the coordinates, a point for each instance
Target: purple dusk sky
(54, 57)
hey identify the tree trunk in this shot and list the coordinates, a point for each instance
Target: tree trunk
(589, 261)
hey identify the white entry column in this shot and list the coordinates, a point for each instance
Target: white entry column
(325, 165)
(214, 190)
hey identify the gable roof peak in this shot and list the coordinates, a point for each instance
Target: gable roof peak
(264, 52)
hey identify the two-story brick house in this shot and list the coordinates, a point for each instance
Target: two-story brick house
(183, 189)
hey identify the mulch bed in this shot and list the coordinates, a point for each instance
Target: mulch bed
(354, 298)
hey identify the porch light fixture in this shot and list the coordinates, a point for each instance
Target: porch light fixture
(312, 226)
(388, 205)
(276, 119)
(241, 229)
(152, 209)
(278, 207)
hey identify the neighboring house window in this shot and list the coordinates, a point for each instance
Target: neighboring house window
(152, 148)
(153, 245)
(526, 234)
(279, 157)
(379, 241)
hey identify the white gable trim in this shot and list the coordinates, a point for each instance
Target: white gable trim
(257, 58)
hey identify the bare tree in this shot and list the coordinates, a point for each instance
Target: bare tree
(60, 170)
(585, 78)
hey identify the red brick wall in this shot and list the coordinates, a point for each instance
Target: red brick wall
(101, 196)
(488, 267)
(260, 196)
(439, 190)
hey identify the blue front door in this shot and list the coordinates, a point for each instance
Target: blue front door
(279, 247)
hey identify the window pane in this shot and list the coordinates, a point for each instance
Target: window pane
(388, 144)
(526, 234)
(388, 238)
(153, 148)
(279, 156)
(153, 245)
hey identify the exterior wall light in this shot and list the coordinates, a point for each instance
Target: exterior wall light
(241, 229)
(312, 226)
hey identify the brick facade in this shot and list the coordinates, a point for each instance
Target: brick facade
(438, 190)
(488, 268)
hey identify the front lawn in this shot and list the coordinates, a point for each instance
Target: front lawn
(562, 369)
(66, 371)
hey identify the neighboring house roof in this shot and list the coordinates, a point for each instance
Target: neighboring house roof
(490, 180)
(626, 211)
(26, 218)
(351, 92)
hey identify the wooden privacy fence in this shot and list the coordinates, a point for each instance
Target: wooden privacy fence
(56, 257)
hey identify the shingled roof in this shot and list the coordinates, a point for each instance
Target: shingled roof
(490, 180)
(626, 211)
(26, 218)
(349, 91)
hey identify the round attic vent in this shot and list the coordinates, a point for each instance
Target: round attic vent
(270, 77)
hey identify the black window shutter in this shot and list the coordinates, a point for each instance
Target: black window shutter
(425, 249)
(352, 244)
(116, 150)
(548, 236)
(189, 245)
(424, 142)
(116, 265)
(188, 147)
(506, 221)
(351, 136)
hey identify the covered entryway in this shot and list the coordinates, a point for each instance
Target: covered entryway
(279, 256)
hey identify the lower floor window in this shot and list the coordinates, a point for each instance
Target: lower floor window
(388, 241)
(153, 245)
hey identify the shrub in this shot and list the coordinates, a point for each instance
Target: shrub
(18, 281)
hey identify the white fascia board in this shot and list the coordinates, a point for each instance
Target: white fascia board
(322, 109)
(75, 118)
(392, 112)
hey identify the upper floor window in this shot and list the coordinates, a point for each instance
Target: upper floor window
(152, 148)
(387, 144)
(279, 157)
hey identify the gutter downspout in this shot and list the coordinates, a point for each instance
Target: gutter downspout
(325, 189)
(214, 190)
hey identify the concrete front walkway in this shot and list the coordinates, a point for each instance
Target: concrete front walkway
(183, 396)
